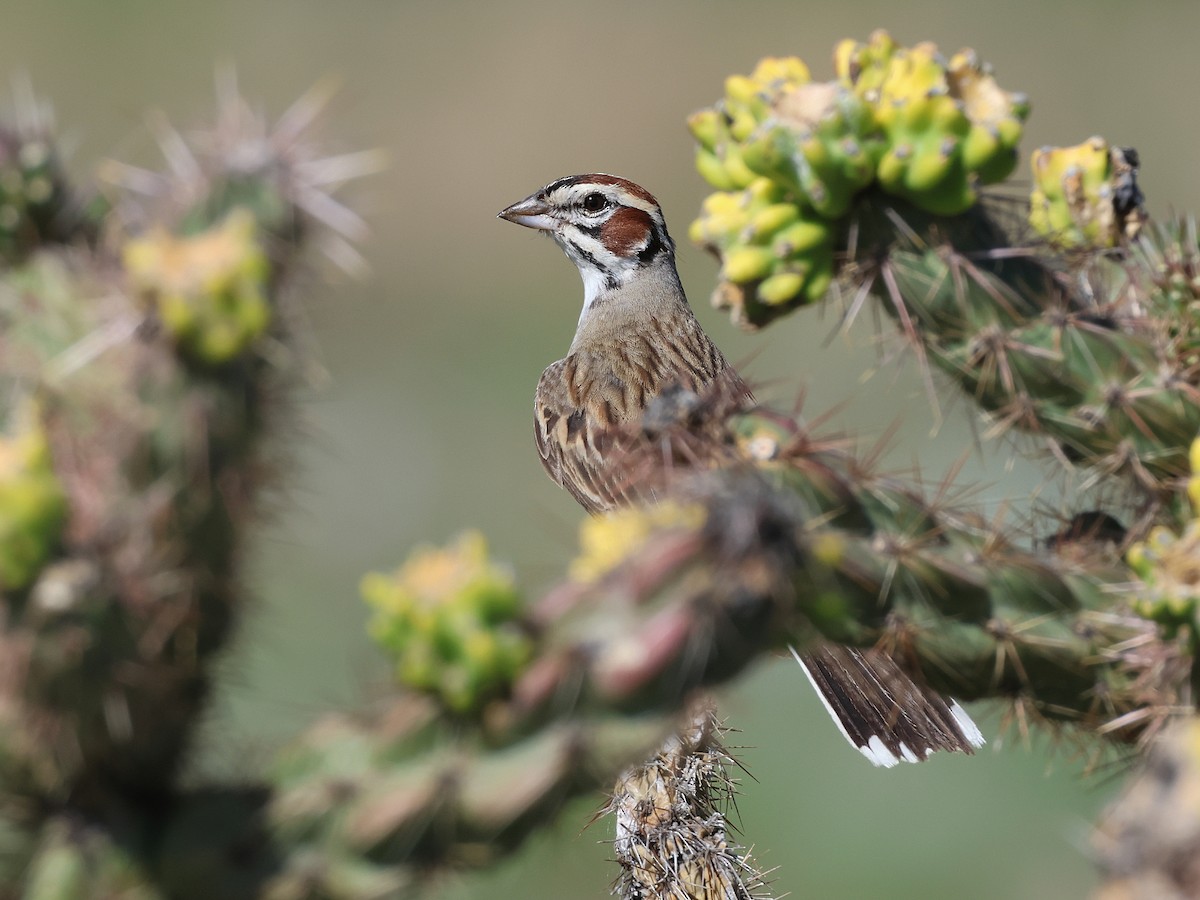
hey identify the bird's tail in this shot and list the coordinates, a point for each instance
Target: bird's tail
(881, 710)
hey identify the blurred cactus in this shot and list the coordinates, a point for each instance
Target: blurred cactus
(452, 621)
(1148, 842)
(32, 505)
(208, 288)
(143, 371)
(134, 449)
(37, 204)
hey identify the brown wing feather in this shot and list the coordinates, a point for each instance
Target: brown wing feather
(576, 447)
(588, 413)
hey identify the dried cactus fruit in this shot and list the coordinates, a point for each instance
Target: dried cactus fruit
(674, 841)
(451, 619)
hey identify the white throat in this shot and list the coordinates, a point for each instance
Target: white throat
(595, 284)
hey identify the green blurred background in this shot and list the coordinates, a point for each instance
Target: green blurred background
(423, 425)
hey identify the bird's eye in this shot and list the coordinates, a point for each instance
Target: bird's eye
(595, 202)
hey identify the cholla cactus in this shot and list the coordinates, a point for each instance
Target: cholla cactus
(147, 394)
(130, 464)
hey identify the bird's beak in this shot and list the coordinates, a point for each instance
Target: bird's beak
(532, 212)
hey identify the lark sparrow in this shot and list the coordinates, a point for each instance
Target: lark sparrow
(637, 340)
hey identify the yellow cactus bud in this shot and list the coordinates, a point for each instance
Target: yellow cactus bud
(780, 288)
(746, 264)
(741, 89)
(606, 541)
(802, 237)
(1070, 202)
(450, 618)
(707, 127)
(713, 170)
(767, 221)
(778, 71)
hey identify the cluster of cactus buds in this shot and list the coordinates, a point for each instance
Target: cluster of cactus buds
(947, 127)
(32, 503)
(1169, 565)
(208, 289)
(1086, 195)
(450, 618)
(772, 251)
(791, 156)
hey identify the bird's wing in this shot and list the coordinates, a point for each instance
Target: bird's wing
(578, 445)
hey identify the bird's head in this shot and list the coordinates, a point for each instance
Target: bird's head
(611, 228)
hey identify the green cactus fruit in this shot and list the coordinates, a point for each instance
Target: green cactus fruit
(922, 129)
(926, 130)
(32, 503)
(780, 288)
(451, 620)
(774, 254)
(801, 237)
(739, 173)
(949, 127)
(722, 131)
(1086, 195)
(712, 170)
(769, 220)
(208, 289)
